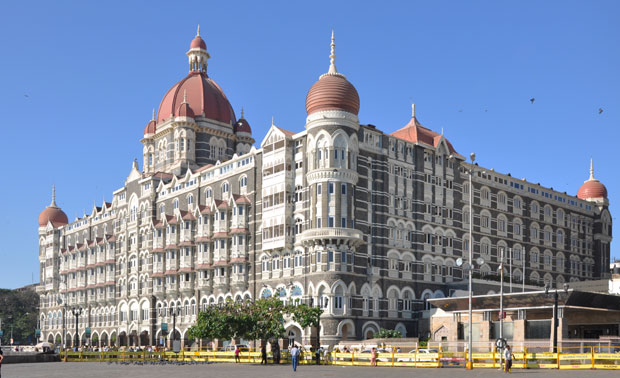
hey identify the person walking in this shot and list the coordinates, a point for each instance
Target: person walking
(326, 356)
(1, 358)
(263, 353)
(507, 359)
(318, 353)
(294, 356)
(373, 357)
(237, 351)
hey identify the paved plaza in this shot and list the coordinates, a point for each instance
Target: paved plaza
(101, 370)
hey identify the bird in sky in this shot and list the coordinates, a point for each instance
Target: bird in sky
(25, 95)
(460, 110)
(532, 100)
(600, 110)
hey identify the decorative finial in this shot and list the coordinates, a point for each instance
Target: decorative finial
(53, 204)
(442, 131)
(332, 57)
(272, 121)
(198, 31)
(153, 117)
(242, 114)
(591, 170)
(185, 96)
(412, 110)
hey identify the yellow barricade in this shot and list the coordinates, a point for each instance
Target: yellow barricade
(606, 358)
(488, 359)
(549, 360)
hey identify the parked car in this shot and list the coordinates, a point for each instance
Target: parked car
(379, 350)
(420, 356)
(231, 348)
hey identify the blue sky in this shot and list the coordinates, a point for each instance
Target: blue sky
(93, 71)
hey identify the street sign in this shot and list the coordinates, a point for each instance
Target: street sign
(500, 343)
(164, 327)
(37, 332)
(1, 333)
(87, 331)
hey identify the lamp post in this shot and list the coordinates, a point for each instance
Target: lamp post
(76, 311)
(174, 311)
(501, 303)
(470, 364)
(555, 313)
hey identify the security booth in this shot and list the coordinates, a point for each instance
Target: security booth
(528, 318)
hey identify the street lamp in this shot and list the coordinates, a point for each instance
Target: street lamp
(174, 311)
(470, 269)
(555, 313)
(76, 311)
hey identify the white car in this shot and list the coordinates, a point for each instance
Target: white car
(420, 356)
(379, 350)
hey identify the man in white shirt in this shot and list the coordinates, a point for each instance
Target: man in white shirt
(294, 356)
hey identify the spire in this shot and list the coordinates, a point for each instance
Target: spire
(184, 97)
(242, 114)
(332, 57)
(591, 171)
(412, 110)
(153, 117)
(273, 120)
(198, 31)
(332, 60)
(53, 204)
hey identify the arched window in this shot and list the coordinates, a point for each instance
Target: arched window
(209, 193)
(190, 199)
(176, 203)
(225, 187)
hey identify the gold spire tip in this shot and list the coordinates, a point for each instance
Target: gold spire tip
(412, 110)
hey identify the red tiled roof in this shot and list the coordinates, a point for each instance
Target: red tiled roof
(220, 235)
(203, 239)
(414, 132)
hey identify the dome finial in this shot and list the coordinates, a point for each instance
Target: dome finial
(242, 114)
(332, 57)
(412, 110)
(153, 117)
(185, 96)
(591, 170)
(198, 31)
(53, 204)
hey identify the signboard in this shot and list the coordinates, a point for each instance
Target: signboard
(176, 346)
(1, 333)
(164, 327)
(87, 331)
(37, 332)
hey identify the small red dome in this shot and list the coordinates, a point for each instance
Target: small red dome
(150, 127)
(185, 110)
(592, 189)
(198, 43)
(242, 126)
(204, 96)
(53, 214)
(332, 92)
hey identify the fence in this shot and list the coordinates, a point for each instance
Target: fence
(585, 357)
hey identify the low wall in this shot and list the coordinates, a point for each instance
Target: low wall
(21, 358)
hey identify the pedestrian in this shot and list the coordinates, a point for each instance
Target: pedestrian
(294, 356)
(318, 352)
(373, 357)
(237, 351)
(263, 353)
(508, 359)
(1, 358)
(326, 356)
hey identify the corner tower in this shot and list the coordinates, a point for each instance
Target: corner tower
(332, 124)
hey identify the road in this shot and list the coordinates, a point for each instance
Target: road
(105, 370)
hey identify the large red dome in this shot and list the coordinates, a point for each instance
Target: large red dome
(53, 214)
(332, 92)
(204, 97)
(592, 189)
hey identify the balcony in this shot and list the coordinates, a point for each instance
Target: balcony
(158, 290)
(186, 286)
(186, 262)
(158, 243)
(187, 236)
(220, 282)
(205, 283)
(203, 231)
(349, 235)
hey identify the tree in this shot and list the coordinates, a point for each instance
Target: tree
(18, 310)
(388, 334)
(266, 320)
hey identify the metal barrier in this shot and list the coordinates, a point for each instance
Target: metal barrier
(587, 357)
